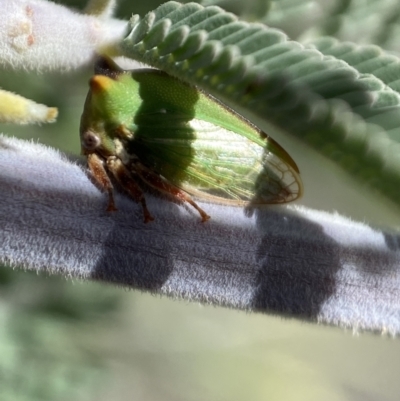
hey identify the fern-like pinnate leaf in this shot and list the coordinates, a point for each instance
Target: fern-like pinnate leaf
(340, 107)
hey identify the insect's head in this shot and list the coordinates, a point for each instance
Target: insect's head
(99, 120)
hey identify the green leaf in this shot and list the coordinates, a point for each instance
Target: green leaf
(379, 72)
(321, 100)
(359, 21)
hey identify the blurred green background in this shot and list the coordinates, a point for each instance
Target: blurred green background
(63, 340)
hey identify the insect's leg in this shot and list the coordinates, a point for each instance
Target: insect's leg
(162, 185)
(123, 132)
(123, 176)
(99, 173)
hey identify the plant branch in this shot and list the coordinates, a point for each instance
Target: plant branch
(289, 261)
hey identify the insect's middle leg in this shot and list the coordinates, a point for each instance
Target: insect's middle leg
(123, 176)
(155, 181)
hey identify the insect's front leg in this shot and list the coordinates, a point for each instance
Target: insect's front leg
(124, 177)
(99, 173)
(123, 132)
(157, 182)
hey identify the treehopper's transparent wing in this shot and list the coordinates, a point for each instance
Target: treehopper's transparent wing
(146, 128)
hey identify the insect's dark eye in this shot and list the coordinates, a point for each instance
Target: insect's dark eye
(90, 140)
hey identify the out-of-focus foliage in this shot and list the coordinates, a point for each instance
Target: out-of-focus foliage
(43, 324)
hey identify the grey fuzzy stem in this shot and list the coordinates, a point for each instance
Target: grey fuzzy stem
(290, 261)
